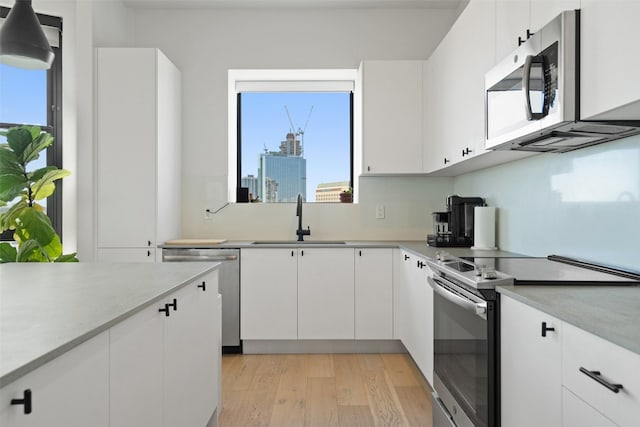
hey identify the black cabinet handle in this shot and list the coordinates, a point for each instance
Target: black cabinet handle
(521, 40)
(164, 310)
(545, 329)
(174, 304)
(360, 253)
(406, 257)
(148, 253)
(466, 152)
(148, 242)
(595, 375)
(301, 253)
(446, 160)
(420, 264)
(529, 34)
(291, 253)
(26, 401)
(203, 286)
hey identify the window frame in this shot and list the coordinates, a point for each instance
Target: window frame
(54, 121)
(300, 80)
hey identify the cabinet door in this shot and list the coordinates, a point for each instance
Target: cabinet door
(206, 352)
(608, 71)
(373, 294)
(126, 152)
(72, 390)
(401, 265)
(136, 369)
(530, 366)
(269, 294)
(392, 117)
(576, 412)
(182, 337)
(325, 294)
(543, 11)
(512, 21)
(420, 322)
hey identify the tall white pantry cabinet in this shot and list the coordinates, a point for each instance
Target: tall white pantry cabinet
(138, 153)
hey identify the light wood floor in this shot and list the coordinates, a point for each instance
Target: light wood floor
(347, 390)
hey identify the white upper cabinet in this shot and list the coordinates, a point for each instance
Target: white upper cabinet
(138, 149)
(454, 82)
(392, 117)
(517, 19)
(609, 60)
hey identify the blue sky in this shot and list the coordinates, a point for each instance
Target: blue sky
(326, 138)
(23, 95)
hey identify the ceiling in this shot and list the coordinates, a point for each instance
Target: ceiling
(212, 4)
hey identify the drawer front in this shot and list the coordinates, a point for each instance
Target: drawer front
(575, 412)
(614, 364)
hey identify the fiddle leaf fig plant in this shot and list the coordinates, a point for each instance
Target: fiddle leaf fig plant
(35, 238)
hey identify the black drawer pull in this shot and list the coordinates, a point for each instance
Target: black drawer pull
(165, 310)
(174, 304)
(406, 257)
(26, 401)
(595, 375)
(203, 286)
(545, 329)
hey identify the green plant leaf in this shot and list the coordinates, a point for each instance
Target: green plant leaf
(7, 253)
(33, 149)
(8, 161)
(19, 138)
(45, 186)
(30, 251)
(8, 218)
(32, 224)
(11, 185)
(67, 258)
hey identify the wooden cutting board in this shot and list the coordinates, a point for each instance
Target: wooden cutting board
(194, 242)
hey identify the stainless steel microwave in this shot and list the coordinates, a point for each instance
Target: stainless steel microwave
(532, 96)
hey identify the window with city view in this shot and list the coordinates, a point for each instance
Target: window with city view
(294, 143)
(34, 98)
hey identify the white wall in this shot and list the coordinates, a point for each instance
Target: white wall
(584, 203)
(204, 44)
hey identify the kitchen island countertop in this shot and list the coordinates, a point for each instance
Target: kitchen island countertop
(47, 309)
(610, 312)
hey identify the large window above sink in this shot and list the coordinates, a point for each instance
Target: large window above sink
(290, 132)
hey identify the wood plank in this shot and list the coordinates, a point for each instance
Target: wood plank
(371, 362)
(322, 409)
(355, 416)
(349, 384)
(398, 369)
(242, 377)
(320, 365)
(416, 405)
(384, 403)
(291, 398)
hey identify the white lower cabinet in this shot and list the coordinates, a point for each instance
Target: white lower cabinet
(530, 366)
(326, 294)
(373, 294)
(413, 310)
(127, 255)
(269, 294)
(568, 378)
(72, 390)
(316, 293)
(163, 369)
(576, 412)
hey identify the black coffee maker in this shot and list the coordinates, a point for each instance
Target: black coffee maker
(454, 228)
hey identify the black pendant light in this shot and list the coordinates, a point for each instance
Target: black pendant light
(23, 43)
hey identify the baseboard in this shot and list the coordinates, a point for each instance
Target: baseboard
(321, 346)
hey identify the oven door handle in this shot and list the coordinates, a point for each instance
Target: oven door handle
(477, 308)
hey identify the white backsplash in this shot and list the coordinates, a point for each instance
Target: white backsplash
(584, 204)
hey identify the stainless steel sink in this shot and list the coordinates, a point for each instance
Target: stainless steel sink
(295, 242)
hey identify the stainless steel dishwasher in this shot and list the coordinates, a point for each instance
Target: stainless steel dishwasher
(229, 287)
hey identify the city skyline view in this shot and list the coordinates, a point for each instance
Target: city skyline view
(321, 121)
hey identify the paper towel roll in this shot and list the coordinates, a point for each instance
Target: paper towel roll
(484, 231)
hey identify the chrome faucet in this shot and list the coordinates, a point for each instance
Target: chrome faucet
(300, 231)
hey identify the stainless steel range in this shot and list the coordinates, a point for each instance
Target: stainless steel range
(466, 326)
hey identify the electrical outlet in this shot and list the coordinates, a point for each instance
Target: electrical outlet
(379, 211)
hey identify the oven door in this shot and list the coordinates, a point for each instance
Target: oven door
(464, 354)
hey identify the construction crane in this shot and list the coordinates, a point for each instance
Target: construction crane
(299, 132)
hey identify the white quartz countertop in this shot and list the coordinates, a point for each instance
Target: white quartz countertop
(47, 309)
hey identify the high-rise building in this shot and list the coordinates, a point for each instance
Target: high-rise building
(291, 146)
(329, 192)
(251, 182)
(289, 174)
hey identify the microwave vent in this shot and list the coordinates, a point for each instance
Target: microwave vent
(601, 128)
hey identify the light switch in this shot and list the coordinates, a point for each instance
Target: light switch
(379, 211)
